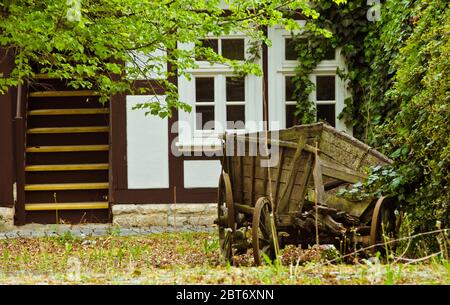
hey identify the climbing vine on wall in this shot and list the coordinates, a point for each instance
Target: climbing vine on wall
(349, 26)
(397, 73)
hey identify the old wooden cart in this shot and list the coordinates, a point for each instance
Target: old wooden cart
(280, 188)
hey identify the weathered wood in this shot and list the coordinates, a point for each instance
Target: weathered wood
(303, 185)
(66, 206)
(378, 157)
(244, 208)
(66, 167)
(277, 180)
(80, 111)
(252, 177)
(19, 124)
(67, 148)
(240, 194)
(354, 208)
(88, 129)
(340, 172)
(286, 194)
(318, 182)
(66, 186)
(279, 143)
(67, 93)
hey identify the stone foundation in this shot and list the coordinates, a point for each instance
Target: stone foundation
(145, 215)
(6, 218)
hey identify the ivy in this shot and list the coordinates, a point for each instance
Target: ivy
(397, 73)
(348, 25)
(310, 46)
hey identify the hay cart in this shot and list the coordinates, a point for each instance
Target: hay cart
(294, 176)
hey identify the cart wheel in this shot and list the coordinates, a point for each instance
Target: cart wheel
(263, 232)
(384, 222)
(226, 216)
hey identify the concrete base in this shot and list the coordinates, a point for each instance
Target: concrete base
(145, 215)
(6, 219)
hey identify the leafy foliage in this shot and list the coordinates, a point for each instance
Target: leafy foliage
(398, 74)
(89, 47)
(346, 27)
(418, 135)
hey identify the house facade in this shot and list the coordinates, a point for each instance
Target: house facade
(65, 158)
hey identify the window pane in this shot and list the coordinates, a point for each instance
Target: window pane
(209, 43)
(291, 119)
(330, 54)
(289, 93)
(289, 49)
(233, 49)
(235, 89)
(204, 114)
(325, 88)
(235, 113)
(326, 113)
(204, 89)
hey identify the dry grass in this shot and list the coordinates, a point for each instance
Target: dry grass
(185, 258)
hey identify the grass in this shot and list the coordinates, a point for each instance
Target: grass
(186, 258)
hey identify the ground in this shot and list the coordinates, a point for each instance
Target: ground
(185, 258)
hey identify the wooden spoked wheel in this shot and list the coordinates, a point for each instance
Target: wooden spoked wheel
(226, 215)
(263, 232)
(384, 222)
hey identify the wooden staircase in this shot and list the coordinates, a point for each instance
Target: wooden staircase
(66, 156)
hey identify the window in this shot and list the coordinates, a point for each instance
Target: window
(330, 91)
(289, 50)
(231, 95)
(290, 103)
(330, 54)
(326, 98)
(291, 54)
(208, 43)
(326, 88)
(229, 102)
(231, 48)
(204, 103)
(235, 102)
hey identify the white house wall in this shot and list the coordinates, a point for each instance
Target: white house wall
(201, 173)
(147, 146)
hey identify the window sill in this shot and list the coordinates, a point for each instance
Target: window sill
(200, 144)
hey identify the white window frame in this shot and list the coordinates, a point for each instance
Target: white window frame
(278, 68)
(194, 139)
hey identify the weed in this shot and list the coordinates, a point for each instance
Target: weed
(211, 245)
(113, 231)
(66, 237)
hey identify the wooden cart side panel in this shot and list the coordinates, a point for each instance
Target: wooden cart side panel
(340, 151)
(348, 151)
(309, 132)
(295, 171)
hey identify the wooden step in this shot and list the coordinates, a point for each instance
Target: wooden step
(67, 186)
(66, 167)
(66, 93)
(87, 129)
(68, 111)
(66, 148)
(66, 206)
